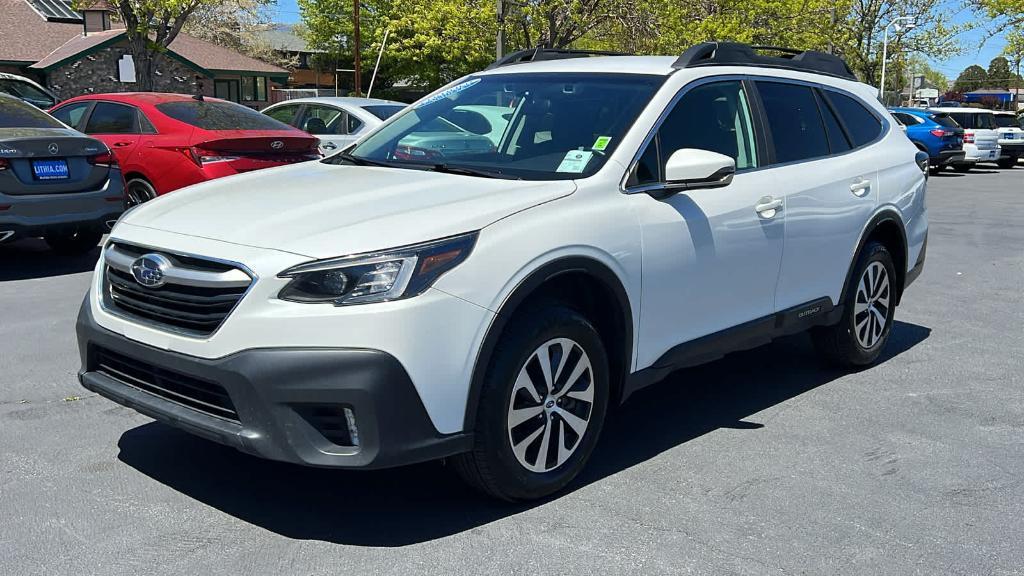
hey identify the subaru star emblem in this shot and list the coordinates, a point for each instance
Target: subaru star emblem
(53, 148)
(148, 270)
(277, 144)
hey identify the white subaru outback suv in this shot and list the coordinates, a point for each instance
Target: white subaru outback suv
(392, 304)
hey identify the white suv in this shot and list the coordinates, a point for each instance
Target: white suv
(637, 215)
(981, 139)
(1011, 139)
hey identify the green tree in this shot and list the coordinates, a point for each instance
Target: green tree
(1014, 52)
(238, 25)
(1000, 15)
(150, 26)
(972, 78)
(998, 75)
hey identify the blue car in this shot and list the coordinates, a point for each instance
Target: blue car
(934, 133)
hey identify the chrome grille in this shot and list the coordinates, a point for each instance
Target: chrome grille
(195, 298)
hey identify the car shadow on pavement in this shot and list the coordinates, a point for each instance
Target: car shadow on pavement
(32, 258)
(424, 502)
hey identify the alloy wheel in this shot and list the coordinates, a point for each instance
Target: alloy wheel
(872, 306)
(551, 404)
(138, 194)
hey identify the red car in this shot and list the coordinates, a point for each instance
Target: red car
(167, 141)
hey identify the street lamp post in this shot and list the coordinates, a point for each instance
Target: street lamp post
(899, 26)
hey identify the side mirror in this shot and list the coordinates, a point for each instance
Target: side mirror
(691, 169)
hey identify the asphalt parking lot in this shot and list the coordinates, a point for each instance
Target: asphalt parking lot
(765, 462)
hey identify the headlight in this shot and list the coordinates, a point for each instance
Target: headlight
(378, 277)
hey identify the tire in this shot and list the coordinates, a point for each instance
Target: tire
(962, 168)
(510, 413)
(138, 191)
(858, 338)
(74, 242)
(934, 170)
(1006, 163)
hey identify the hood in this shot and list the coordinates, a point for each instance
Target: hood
(323, 210)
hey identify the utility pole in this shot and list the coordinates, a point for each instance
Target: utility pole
(500, 44)
(355, 33)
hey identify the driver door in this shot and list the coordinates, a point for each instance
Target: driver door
(712, 256)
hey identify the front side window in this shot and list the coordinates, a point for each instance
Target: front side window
(108, 118)
(323, 120)
(534, 126)
(861, 124)
(284, 114)
(714, 117)
(72, 113)
(794, 120)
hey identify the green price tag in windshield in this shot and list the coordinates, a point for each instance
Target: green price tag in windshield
(601, 143)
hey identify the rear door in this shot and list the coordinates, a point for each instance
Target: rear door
(333, 126)
(830, 191)
(117, 125)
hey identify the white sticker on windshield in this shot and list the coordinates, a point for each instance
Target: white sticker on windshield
(446, 93)
(575, 161)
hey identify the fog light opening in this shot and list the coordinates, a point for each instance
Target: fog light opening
(353, 431)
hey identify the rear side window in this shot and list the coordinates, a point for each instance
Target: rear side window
(17, 114)
(107, 118)
(794, 120)
(944, 120)
(72, 113)
(863, 126)
(384, 111)
(974, 120)
(837, 140)
(219, 115)
(1004, 121)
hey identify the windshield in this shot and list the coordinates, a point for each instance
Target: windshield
(529, 126)
(17, 114)
(27, 92)
(1005, 121)
(219, 115)
(384, 111)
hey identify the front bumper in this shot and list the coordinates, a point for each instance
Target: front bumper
(274, 392)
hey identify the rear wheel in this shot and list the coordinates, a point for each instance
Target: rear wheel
(139, 191)
(541, 408)
(74, 242)
(870, 305)
(1007, 163)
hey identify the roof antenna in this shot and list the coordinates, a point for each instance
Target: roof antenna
(199, 89)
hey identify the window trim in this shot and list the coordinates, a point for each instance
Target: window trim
(756, 124)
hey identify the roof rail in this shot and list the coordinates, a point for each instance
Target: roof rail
(737, 54)
(540, 53)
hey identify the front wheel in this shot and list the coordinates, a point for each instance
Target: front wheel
(74, 242)
(1007, 163)
(541, 407)
(869, 308)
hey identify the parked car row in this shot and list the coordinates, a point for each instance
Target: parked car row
(963, 137)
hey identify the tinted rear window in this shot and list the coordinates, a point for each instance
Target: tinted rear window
(384, 111)
(794, 120)
(837, 140)
(861, 124)
(216, 115)
(944, 120)
(17, 114)
(1005, 121)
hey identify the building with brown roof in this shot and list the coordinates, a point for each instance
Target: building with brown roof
(76, 53)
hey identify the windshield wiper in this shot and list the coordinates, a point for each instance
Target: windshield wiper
(467, 171)
(356, 160)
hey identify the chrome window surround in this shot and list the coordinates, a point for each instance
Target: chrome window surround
(644, 188)
(163, 327)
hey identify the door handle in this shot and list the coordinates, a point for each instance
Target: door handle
(329, 145)
(122, 144)
(768, 207)
(860, 188)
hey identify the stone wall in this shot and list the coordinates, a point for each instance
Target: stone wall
(97, 74)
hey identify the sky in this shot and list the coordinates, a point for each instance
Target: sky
(975, 52)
